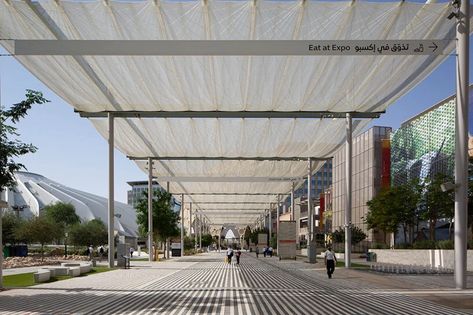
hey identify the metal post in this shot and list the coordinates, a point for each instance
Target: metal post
(292, 201)
(190, 219)
(200, 231)
(278, 210)
(270, 223)
(461, 144)
(1, 246)
(150, 209)
(348, 192)
(111, 192)
(182, 225)
(219, 237)
(195, 229)
(311, 249)
(167, 186)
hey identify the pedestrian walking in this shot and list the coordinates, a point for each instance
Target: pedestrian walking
(330, 262)
(237, 255)
(229, 255)
(131, 251)
(270, 251)
(91, 252)
(265, 251)
(101, 252)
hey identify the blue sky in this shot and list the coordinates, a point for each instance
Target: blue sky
(71, 152)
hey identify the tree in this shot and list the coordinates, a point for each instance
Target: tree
(38, 229)
(64, 215)
(247, 236)
(93, 232)
(10, 146)
(206, 240)
(357, 235)
(165, 220)
(438, 204)
(394, 207)
(10, 225)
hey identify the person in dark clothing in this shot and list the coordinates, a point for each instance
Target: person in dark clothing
(237, 255)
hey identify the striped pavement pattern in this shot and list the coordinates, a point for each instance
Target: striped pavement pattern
(210, 286)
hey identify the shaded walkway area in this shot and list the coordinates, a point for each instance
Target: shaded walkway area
(204, 284)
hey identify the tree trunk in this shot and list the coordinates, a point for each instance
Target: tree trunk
(432, 229)
(42, 252)
(450, 230)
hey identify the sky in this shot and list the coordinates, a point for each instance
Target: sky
(71, 152)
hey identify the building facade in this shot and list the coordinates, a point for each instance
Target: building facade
(138, 188)
(371, 172)
(425, 145)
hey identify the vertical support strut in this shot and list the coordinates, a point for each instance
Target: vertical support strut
(200, 231)
(270, 223)
(461, 144)
(195, 229)
(311, 248)
(278, 210)
(182, 225)
(292, 201)
(111, 192)
(190, 219)
(348, 190)
(150, 209)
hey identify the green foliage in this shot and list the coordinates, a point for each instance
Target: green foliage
(357, 235)
(247, 236)
(93, 232)
(425, 244)
(403, 246)
(379, 246)
(188, 243)
(446, 244)
(438, 204)
(165, 220)
(64, 214)
(274, 242)
(10, 146)
(394, 207)
(40, 230)
(254, 234)
(10, 225)
(207, 240)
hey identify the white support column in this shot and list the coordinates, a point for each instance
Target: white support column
(1, 246)
(195, 229)
(150, 209)
(182, 225)
(278, 211)
(270, 223)
(111, 192)
(311, 249)
(219, 238)
(292, 201)
(348, 190)
(200, 231)
(461, 144)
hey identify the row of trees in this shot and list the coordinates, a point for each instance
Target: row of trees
(406, 206)
(58, 223)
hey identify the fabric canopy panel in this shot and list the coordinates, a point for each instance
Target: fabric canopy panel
(334, 83)
(217, 83)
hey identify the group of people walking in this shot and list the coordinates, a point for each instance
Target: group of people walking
(230, 254)
(267, 251)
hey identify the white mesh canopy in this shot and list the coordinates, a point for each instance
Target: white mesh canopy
(228, 83)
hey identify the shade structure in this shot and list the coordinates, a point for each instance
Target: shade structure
(230, 83)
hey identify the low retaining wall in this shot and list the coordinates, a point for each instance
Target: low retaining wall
(434, 258)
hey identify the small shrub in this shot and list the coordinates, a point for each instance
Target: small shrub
(425, 244)
(447, 244)
(403, 246)
(379, 246)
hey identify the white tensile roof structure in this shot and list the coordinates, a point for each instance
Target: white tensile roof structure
(271, 84)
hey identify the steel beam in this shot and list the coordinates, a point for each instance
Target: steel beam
(111, 192)
(150, 210)
(348, 190)
(229, 114)
(229, 158)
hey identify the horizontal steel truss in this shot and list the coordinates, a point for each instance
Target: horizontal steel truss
(227, 114)
(227, 158)
(224, 179)
(232, 194)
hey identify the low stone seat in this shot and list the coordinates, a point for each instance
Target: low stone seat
(42, 275)
(85, 268)
(58, 271)
(74, 271)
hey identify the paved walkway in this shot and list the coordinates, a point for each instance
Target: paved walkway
(204, 284)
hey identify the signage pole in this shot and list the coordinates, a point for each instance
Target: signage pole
(348, 181)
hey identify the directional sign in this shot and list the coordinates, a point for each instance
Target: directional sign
(229, 47)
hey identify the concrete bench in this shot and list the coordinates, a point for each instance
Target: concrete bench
(42, 275)
(70, 265)
(85, 268)
(58, 271)
(74, 271)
